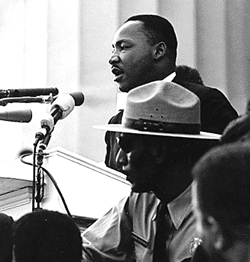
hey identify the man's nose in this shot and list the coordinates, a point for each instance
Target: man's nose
(121, 158)
(114, 58)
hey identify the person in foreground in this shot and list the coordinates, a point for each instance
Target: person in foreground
(221, 198)
(47, 236)
(6, 241)
(159, 143)
(145, 50)
(238, 129)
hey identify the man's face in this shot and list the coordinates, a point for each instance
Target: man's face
(205, 228)
(136, 161)
(151, 163)
(132, 60)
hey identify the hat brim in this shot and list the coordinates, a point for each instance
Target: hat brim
(120, 128)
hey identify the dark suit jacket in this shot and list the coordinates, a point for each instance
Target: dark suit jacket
(216, 113)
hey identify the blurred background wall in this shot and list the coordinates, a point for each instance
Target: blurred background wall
(67, 43)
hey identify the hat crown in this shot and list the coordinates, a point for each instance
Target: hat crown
(164, 103)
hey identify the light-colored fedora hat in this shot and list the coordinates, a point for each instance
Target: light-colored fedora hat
(161, 108)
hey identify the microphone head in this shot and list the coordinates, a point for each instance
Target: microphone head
(78, 98)
(30, 92)
(65, 103)
(14, 115)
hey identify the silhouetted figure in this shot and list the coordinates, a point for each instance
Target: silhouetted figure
(47, 236)
(221, 198)
(6, 241)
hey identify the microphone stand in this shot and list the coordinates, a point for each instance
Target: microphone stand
(41, 143)
(40, 178)
(42, 140)
(58, 111)
(43, 136)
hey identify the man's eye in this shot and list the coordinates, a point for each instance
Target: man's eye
(125, 144)
(123, 47)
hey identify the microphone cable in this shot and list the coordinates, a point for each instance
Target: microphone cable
(50, 177)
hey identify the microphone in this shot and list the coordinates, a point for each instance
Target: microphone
(13, 115)
(78, 98)
(60, 108)
(28, 92)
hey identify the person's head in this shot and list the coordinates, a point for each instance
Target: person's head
(6, 241)
(221, 198)
(155, 163)
(160, 138)
(144, 50)
(238, 130)
(189, 74)
(45, 236)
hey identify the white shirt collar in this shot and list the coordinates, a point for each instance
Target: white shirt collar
(170, 77)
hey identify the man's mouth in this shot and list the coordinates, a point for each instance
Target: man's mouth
(117, 72)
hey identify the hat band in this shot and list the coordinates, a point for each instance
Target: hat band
(158, 126)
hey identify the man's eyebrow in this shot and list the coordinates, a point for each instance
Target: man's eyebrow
(119, 42)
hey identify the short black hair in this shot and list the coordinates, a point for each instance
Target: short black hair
(223, 184)
(157, 29)
(45, 236)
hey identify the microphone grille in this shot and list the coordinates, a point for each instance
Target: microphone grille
(78, 98)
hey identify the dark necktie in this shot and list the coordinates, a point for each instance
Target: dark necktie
(164, 229)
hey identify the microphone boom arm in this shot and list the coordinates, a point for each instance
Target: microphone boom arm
(27, 99)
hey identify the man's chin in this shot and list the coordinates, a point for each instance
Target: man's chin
(123, 89)
(125, 86)
(139, 188)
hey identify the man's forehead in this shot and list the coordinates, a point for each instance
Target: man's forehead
(128, 135)
(134, 137)
(194, 193)
(129, 31)
(166, 139)
(195, 202)
(130, 26)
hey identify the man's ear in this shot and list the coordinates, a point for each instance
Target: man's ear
(159, 152)
(160, 50)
